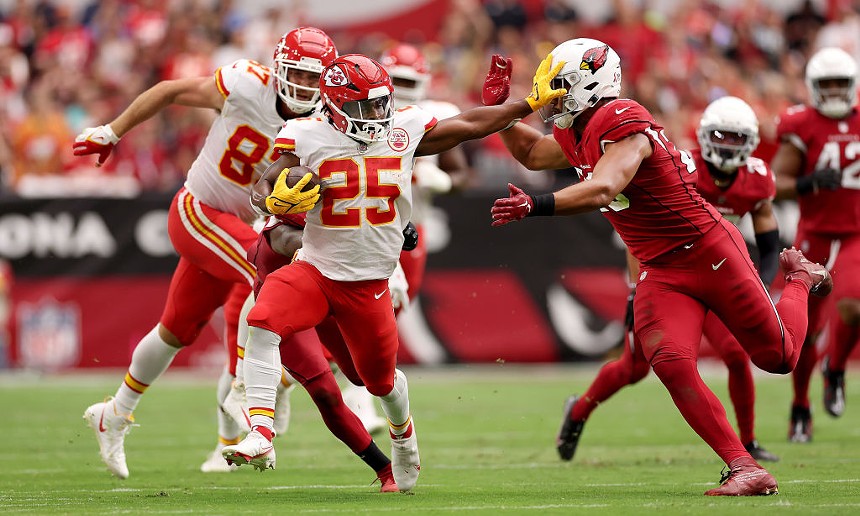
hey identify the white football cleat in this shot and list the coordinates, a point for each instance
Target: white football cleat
(405, 464)
(362, 403)
(110, 428)
(282, 409)
(235, 406)
(254, 449)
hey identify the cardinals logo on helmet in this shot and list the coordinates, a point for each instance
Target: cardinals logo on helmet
(334, 76)
(594, 58)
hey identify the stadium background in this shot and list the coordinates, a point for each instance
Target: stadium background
(85, 255)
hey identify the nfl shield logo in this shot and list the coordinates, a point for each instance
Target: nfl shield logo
(49, 334)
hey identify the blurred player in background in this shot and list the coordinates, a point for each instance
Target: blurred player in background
(736, 184)
(210, 219)
(363, 151)
(818, 163)
(692, 259)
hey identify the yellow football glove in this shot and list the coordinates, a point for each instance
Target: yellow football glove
(284, 200)
(542, 93)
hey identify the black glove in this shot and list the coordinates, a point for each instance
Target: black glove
(820, 179)
(410, 237)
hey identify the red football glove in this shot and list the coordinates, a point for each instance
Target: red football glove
(96, 140)
(514, 207)
(497, 85)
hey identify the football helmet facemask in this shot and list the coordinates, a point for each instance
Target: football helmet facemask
(409, 74)
(728, 133)
(306, 49)
(592, 71)
(357, 97)
(831, 77)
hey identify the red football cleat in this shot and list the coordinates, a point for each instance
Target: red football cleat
(796, 266)
(386, 478)
(745, 478)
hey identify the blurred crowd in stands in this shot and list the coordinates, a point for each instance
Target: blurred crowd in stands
(64, 68)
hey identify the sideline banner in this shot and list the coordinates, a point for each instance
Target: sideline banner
(91, 275)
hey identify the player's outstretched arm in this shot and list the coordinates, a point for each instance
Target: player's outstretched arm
(612, 173)
(194, 92)
(482, 121)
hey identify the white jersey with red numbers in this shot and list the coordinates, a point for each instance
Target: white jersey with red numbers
(826, 143)
(754, 184)
(240, 143)
(355, 232)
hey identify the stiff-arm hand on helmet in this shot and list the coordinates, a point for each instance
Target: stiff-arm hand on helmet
(284, 200)
(542, 92)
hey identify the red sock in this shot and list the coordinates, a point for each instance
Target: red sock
(742, 393)
(341, 421)
(612, 378)
(700, 407)
(803, 372)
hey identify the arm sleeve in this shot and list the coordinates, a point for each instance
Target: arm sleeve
(768, 249)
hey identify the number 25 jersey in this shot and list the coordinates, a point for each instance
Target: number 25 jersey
(355, 231)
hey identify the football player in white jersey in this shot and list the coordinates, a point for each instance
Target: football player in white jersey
(209, 220)
(431, 175)
(363, 152)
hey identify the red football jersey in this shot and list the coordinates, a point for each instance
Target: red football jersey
(753, 185)
(826, 143)
(660, 209)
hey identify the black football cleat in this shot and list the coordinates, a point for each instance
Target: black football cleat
(834, 389)
(568, 434)
(759, 453)
(800, 427)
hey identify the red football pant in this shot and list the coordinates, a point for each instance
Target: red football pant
(213, 270)
(298, 297)
(673, 296)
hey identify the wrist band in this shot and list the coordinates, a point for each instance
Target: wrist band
(543, 205)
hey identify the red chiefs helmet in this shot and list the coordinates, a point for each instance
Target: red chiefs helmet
(357, 97)
(409, 73)
(307, 49)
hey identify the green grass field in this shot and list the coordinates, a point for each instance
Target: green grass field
(486, 436)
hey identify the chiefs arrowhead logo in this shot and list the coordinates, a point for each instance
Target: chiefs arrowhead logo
(334, 76)
(594, 58)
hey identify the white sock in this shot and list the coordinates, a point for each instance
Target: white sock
(395, 404)
(262, 375)
(150, 359)
(242, 337)
(228, 429)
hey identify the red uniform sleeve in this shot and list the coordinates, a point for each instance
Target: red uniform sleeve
(622, 118)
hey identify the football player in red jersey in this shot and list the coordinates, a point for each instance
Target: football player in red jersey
(209, 220)
(736, 184)
(818, 163)
(692, 259)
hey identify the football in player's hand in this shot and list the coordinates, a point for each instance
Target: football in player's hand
(298, 172)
